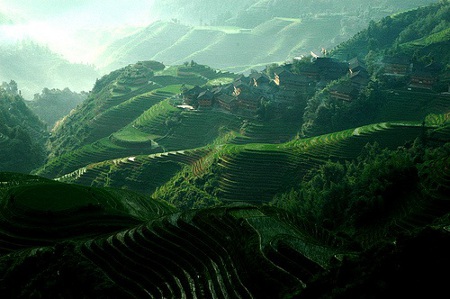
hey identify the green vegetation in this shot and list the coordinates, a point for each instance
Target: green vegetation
(349, 199)
(22, 134)
(403, 32)
(52, 105)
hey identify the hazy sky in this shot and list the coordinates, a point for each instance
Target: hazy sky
(75, 28)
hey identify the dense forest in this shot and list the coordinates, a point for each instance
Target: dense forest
(22, 134)
(53, 104)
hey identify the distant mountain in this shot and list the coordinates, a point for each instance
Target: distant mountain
(245, 35)
(35, 67)
(22, 134)
(250, 13)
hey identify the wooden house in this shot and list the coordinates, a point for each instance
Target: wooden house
(227, 102)
(345, 92)
(286, 96)
(423, 80)
(259, 79)
(330, 69)
(355, 65)
(360, 78)
(397, 65)
(205, 99)
(288, 80)
(248, 103)
(190, 95)
(311, 71)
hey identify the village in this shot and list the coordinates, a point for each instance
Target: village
(285, 88)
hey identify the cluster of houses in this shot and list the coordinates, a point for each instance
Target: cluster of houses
(418, 76)
(242, 96)
(422, 76)
(358, 79)
(247, 93)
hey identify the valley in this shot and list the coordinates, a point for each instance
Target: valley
(319, 175)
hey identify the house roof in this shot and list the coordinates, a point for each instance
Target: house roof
(401, 60)
(206, 95)
(243, 79)
(347, 89)
(258, 76)
(226, 98)
(355, 63)
(359, 74)
(284, 74)
(195, 90)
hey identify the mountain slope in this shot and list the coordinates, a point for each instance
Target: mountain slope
(254, 36)
(133, 111)
(408, 32)
(238, 250)
(22, 134)
(35, 67)
(52, 105)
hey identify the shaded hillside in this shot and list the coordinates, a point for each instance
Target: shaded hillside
(52, 105)
(22, 134)
(418, 32)
(38, 212)
(35, 67)
(238, 250)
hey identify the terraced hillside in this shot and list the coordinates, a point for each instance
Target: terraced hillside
(407, 105)
(131, 112)
(195, 254)
(252, 35)
(252, 172)
(416, 32)
(239, 49)
(39, 212)
(237, 251)
(256, 172)
(144, 173)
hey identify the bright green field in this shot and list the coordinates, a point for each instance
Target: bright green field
(130, 134)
